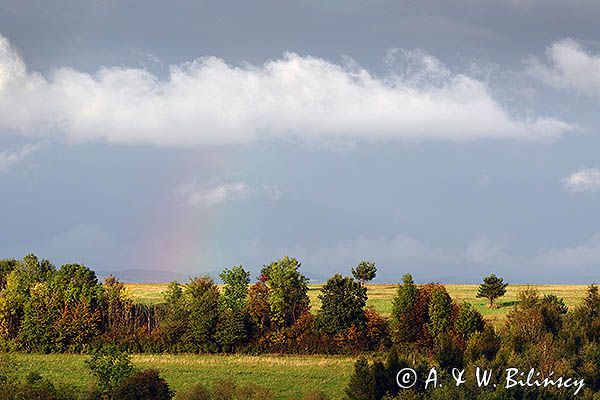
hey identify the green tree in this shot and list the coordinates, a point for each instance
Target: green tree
(362, 382)
(342, 304)
(174, 325)
(365, 271)
(116, 305)
(288, 291)
(75, 282)
(403, 323)
(468, 321)
(492, 288)
(202, 303)
(557, 302)
(440, 313)
(235, 289)
(6, 267)
(232, 329)
(26, 275)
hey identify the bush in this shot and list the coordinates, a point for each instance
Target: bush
(198, 392)
(230, 390)
(111, 367)
(362, 382)
(143, 385)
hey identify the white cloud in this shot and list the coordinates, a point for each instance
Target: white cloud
(585, 180)
(199, 196)
(207, 101)
(9, 158)
(568, 66)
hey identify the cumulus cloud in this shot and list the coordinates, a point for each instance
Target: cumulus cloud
(585, 180)
(195, 195)
(568, 66)
(208, 101)
(9, 158)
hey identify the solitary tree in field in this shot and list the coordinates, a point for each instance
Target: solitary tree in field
(492, 288)
(365, 271)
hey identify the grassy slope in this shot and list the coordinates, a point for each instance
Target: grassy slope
(380, 296)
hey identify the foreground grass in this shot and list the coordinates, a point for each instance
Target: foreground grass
(381, 295)
(287, 376)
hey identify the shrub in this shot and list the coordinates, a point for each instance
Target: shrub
(377, 330)
(110, 366)
(484, 344)
(230, 390)
(143, 385)
(198, 392)
(362, 382)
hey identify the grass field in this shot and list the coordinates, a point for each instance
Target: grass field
(286, 376)
(381, 295)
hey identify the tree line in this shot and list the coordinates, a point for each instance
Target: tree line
(45, 309)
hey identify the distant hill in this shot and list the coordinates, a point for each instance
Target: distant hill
(143, 276)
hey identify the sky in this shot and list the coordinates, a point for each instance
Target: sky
(447, 140)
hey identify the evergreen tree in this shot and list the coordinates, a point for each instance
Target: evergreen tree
(468, 321)
(440, 313)
(362, 382)
(365, 271)
(403, 323)
(492, 288)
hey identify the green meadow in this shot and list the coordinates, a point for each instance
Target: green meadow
(286, 376)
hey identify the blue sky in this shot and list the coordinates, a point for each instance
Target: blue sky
(449, 142)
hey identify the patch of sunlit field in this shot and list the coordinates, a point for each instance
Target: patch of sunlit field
(381, 296)
(147, 293)
(286, 376)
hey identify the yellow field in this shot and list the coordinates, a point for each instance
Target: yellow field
(380, 296)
